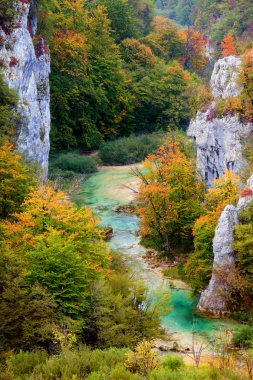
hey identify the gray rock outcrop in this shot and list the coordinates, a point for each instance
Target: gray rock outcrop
(26, 69)
(224, 79)
(215, 297)
(219, 140)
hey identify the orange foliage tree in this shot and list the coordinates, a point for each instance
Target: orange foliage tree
(227, 45)
(71, 51)
(137, 54)
(194, 57)
(169, 199)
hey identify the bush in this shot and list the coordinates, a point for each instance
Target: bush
(243, 337)
(119, 372)
(68, 365)
(129, 150)
(78, 364)
(23, 363)
(75, 162)
(205, 373)
(7, 11)
(173, 362)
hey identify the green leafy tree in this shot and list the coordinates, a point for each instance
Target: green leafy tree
(122, 313)
(26, 313)
(160, 98)
(243, 246)
(55, 263)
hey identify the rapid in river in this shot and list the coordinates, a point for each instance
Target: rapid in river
(103, 192)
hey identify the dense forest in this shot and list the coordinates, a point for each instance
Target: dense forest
(214, 19)
(126, 78)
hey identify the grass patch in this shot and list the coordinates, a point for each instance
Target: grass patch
(130, 150)
(74, 162)
(70, 168)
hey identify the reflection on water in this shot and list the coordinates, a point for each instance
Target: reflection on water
(104, 191)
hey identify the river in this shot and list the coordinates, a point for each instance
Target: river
(103, 192)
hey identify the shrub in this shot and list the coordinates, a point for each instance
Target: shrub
(77, 364)
(107, 358)
(173, 362)
(7, 12)
(23, 363)
(205, 373)
(75, 162)
(68, 365)
(129, 150)
(143, 359)
(119, 372)
(243, 337)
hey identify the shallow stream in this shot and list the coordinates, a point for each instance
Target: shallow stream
(104, 191)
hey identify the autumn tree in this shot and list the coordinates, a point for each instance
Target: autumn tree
(57, 249)
(67, 240)
(199, 265)
(164, 39)
(227, 45)
(16, 180)
(194, 57)
(246, 97)
(169, 199)
(137, 55)
(46, 210)
(90, 98)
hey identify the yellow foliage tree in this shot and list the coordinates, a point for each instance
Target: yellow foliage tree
(16, 180)
(199, 265)
(47, 210)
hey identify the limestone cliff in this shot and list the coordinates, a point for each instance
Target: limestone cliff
(219, 147)
(218, 140)
(26, 67)
(215, 298)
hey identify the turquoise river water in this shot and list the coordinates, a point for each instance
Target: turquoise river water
(103, 192)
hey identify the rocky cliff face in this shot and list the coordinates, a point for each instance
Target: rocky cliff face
(219, 147)
(218, 140)
(26, 67)
(215, 298)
